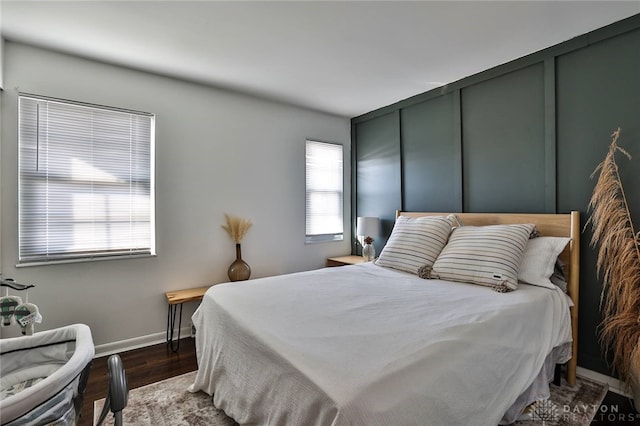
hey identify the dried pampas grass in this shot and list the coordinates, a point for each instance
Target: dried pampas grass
(619, 264)
(236, 227)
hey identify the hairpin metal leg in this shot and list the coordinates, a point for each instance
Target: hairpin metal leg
(171, 322)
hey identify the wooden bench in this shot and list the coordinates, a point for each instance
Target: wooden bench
(175, 299)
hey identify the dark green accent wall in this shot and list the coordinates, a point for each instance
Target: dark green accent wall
(429, 153)
(521, 137)
(378, 175)
(503, 143)
(598, 89)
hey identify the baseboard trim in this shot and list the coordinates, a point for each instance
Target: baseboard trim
(615, 385)
(137, 342)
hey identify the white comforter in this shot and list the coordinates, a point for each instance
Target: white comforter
(368, 345)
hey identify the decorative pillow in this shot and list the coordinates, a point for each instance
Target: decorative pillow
(539, 260)
(455, 219)
(485, 255)
(558, 277)
(415, 242)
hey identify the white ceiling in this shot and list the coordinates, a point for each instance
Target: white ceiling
(341, 57)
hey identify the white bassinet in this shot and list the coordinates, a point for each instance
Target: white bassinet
(43, 376)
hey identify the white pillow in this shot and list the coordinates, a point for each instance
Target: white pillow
(415, 242)
(485, 255)
(539, 260)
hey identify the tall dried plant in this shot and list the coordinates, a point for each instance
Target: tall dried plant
(236, 227)
(619, 264)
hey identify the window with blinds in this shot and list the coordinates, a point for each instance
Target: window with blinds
(324, 199)
(86, 181)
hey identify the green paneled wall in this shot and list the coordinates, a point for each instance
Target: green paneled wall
(522, 137)
(503, 143)
(429, 167)
(377, 186)
(598, 89)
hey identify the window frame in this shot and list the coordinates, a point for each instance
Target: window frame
(26, 178)
(332, 236)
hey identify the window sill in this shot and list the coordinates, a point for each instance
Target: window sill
(82, 260)
(324, 240)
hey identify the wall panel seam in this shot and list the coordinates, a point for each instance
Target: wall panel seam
(550, 140)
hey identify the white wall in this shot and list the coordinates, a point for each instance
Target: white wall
(1, 62)
(216, 152)
(1, 86)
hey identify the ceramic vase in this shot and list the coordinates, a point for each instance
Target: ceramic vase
(239, 270)
(368, 250)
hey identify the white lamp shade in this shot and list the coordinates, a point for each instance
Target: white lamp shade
(368, 226)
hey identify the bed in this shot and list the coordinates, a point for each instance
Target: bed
(375, 345)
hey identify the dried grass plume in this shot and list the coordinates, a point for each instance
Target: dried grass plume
(236, 227)
(618, 263)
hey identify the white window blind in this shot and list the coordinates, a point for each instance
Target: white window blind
(86, 181)
(324, 199)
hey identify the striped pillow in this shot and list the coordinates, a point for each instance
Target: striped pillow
(485, 255)
(415, 242)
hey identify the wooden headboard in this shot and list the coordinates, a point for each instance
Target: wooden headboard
(550, 225)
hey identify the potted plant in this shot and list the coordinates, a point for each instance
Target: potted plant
(619, 265)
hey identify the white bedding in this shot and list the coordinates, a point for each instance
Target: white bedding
(369, 345)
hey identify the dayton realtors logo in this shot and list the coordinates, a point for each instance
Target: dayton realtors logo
(547, 412)
(610, 414)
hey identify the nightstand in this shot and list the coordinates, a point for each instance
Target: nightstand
(345, 260)
(175, 299)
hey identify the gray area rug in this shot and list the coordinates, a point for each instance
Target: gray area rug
(568, 405)
(168, 403)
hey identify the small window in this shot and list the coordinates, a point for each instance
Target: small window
(324, 199)
(86, 181)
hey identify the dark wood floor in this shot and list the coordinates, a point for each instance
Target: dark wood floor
(616, 410)
(142, 366)
(154, 363)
